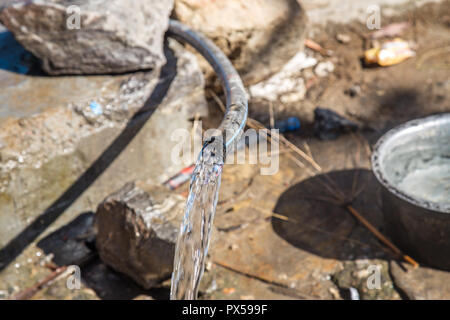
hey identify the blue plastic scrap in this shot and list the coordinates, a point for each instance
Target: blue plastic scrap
(96, 108)
(290, 124)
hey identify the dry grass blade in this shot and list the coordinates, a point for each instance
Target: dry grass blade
(265, 280)
(332, 234)
(272, 117)
(30, 292)
(254, 124)
(381, 237)
(217, 100)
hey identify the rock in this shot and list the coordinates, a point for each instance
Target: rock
(287, 84)
(421, 283)
(137, 229)
(354, 90)
(112, 36)
(343, 38)
(259, 36)
(324, 68)
(285, 89)
(354, 294)
(335, 293)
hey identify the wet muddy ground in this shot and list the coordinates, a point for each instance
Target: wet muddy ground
(286, 236)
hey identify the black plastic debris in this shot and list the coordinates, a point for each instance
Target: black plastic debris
(353, 91)
(328, 125)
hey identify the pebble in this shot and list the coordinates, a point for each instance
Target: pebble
(324, 68)
(361, 274)
(343, 38)
(335, 293)
(354, 294)
(286, 84)
(3, 294)
(96, 108)
(212, 287)
(283, 276)
(228, 291)
(354, 90)
(233, 247)
(294, 96)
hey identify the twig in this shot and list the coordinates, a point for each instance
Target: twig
(334, 235)
(311, 44)
(272, 118)
(217, 100)
(308, 149)
(30, 292)
(263, 279)
(236, 195)
(380, 236)
(252, 123)
(254, 276)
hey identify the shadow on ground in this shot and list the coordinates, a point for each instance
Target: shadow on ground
(15, 58)
(313, 220)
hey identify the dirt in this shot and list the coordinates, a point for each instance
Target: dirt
(385, 98)
(312, 248)
(388, 96)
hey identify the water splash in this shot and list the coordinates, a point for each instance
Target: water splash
(195, 231)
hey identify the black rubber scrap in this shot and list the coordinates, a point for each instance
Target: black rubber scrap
(328, 125)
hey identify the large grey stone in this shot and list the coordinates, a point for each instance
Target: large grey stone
(137, 229)
(259, 36)
(113, 36)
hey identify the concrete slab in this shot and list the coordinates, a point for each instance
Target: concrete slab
(66, 158)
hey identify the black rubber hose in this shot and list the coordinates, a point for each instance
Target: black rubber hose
(236, 113)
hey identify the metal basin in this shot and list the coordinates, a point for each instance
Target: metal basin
(412, 163)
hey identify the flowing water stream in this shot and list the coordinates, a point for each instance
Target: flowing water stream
(195, 231)
(193, 239)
